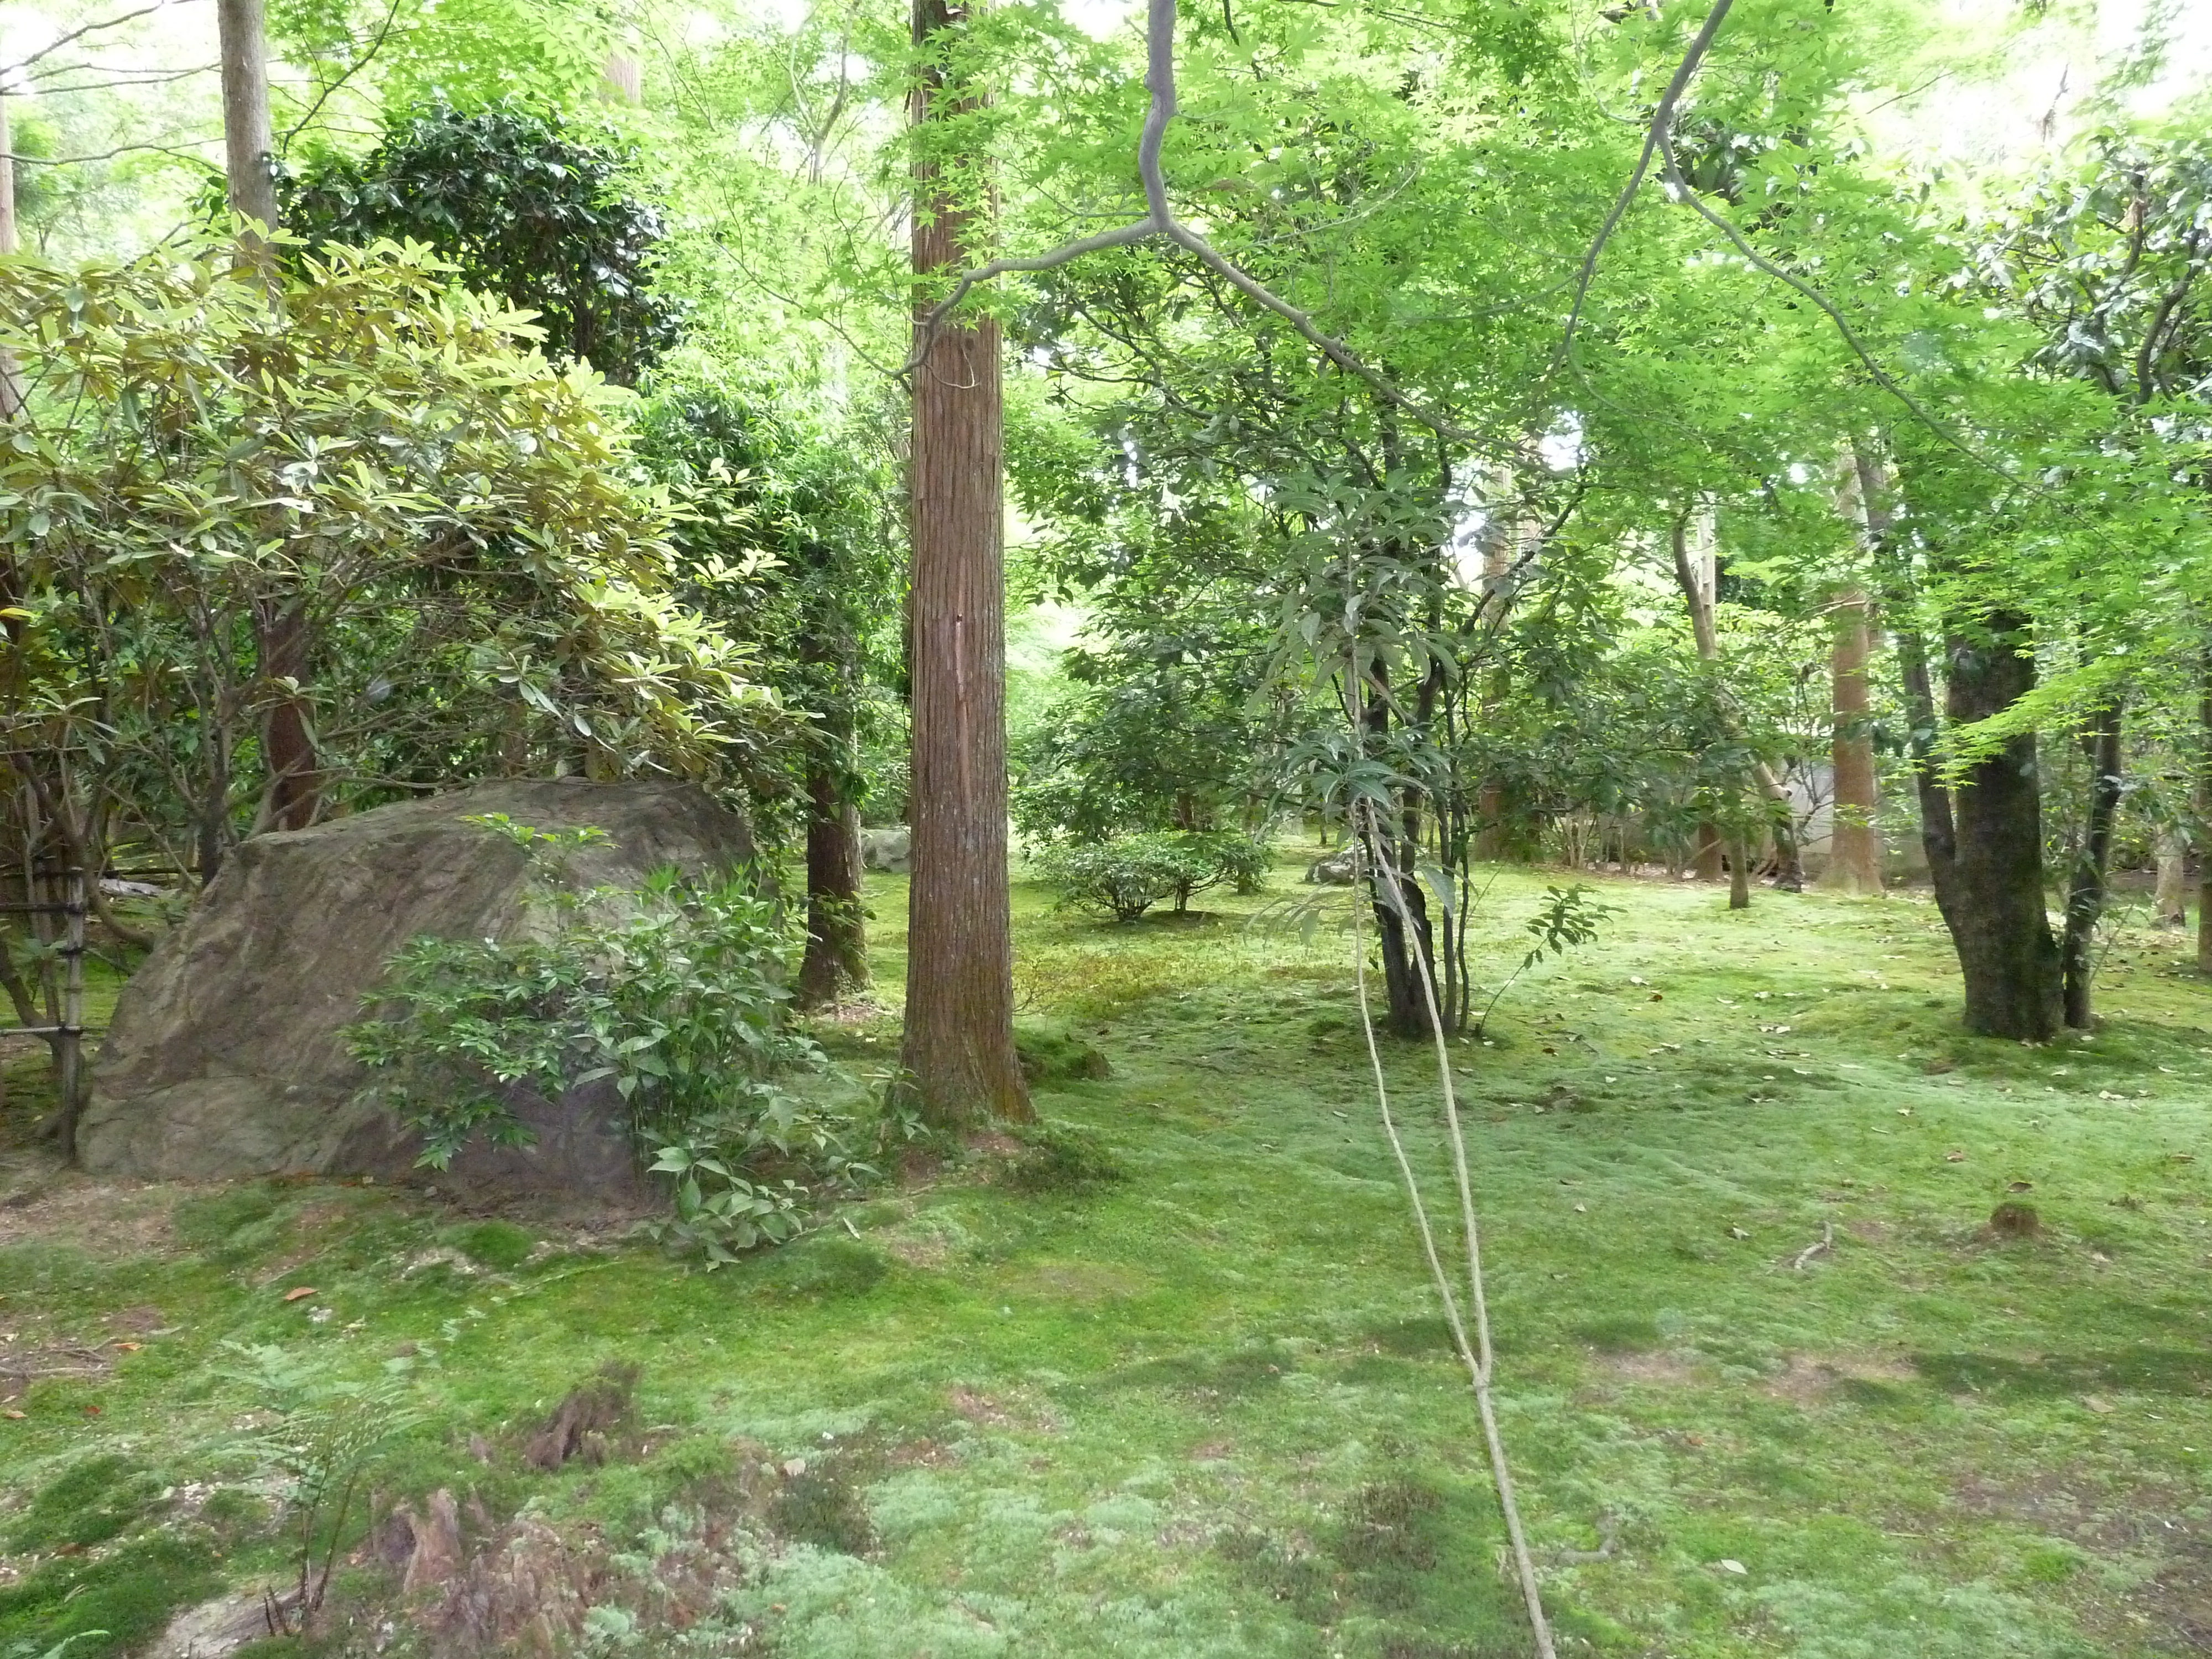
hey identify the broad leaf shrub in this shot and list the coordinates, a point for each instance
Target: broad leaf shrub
(1127, 875)
(674, 993)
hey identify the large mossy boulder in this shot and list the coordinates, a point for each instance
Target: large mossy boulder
(227, 1055)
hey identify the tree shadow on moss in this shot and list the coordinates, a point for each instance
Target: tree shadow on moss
(2140, 1371)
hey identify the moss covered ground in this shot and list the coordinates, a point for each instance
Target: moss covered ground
(1170, 1382)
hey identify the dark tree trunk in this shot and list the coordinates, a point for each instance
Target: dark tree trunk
(2085, 893)
(287, 732)
(959, 1054)
(1738, 861)
(1985, 850)
(1399, 934)
(836, 960)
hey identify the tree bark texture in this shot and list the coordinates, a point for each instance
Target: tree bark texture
(1399, 934)
(1995, 910)
(2084, 892)
(836, 960)
(1854, 843)
(249, 143)
(958, 1052)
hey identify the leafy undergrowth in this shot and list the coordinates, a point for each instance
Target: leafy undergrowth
(1165, 1378)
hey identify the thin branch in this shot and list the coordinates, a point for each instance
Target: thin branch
(53, 47)
(1687, 193)
(125, 78)
(1480, 1356)
(1160, 221)
(1662, 118)
(102, 155)
(353, 69)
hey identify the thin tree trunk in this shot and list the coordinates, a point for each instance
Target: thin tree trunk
(281, 636)
(2169, 901)
(11, 374)
(1398, 935)
(2085, 893)
(1854, 843)
(287, 732)
(836, 960)
(958, 1053)
(1697, 574)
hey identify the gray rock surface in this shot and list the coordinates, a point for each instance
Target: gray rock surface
(227, 1055)
(889, 848)
(1336, 870)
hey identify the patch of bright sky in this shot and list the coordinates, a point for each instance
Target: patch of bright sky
(1998, 89)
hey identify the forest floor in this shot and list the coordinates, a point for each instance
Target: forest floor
(1174, 1384)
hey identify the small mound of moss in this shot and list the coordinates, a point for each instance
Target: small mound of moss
(1050, 1053)
(499, 1245)
(1060, 1158)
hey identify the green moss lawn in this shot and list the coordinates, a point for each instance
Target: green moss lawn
(1174, 1386)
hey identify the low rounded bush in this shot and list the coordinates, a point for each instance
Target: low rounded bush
(1125, 876)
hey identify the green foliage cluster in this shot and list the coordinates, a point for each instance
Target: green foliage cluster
(359, 496)
(524, 205)
(670, 996)
(1125, 876)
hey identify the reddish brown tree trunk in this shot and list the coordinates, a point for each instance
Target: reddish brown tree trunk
(959, 1054)
(1854, 844)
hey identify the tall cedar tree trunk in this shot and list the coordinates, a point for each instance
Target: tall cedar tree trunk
(1854, 843)
(1985, 857)
(836, 960)
(2085, 893)
(958, 1053)
(281, 634)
